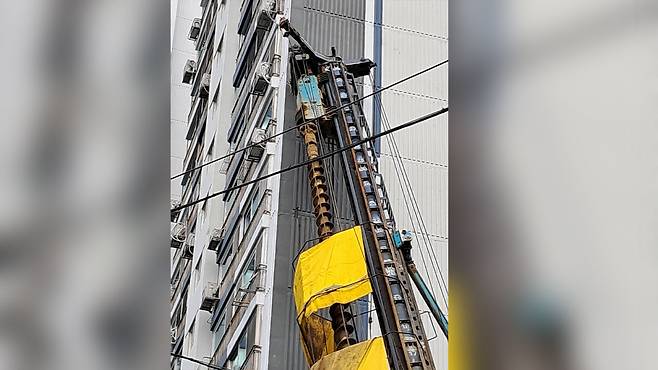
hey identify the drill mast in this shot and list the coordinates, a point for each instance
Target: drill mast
(326, 96)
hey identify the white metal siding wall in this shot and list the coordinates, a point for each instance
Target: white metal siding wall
(414, 37)
(336, 23)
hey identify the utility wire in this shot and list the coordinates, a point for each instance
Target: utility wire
(393, 147)
(208, 365)
(416, 209)
(331, 111)
(305, 163)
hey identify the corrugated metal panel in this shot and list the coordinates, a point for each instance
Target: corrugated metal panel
(419, 28)
(429, 183)
(343, 212)
(427, 141)
(348, 8)
(426, 16)
(296, 208)
(323, 24)
(324, 30)
(397, 47)
(292, 355)
(285, 346)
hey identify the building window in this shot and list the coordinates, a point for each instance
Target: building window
(249, 47)
(197, 271)
(219, 331)
(247, 220)
(223, 268)
(221, 44)
(211, 150)
(246, 279)
(248, 273)
(230, 197)
(190, 337)
(216, 96)
(247, 215)
(266, 118)
(237, 133)
(255, 201)
(251, 207)
(239, 355)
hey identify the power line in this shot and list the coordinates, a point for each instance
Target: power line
(383, 25)
(393, 147)
(331, 111)
(305, 163)
(426, 240)
(416, 210)
(208, 365)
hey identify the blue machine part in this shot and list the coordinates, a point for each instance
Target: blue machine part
(401, 236)
(309, 99)
(397, 239)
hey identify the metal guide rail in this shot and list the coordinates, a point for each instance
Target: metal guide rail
(397, 310)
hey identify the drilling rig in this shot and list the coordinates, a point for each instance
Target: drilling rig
(369, 259)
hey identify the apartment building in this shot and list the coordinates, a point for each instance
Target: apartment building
(183, 15)
(231, 276)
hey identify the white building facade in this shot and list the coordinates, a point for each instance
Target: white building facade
(231, 254)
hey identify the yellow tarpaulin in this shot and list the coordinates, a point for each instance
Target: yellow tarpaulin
(368, 355)
(333, 271)
(317, 337)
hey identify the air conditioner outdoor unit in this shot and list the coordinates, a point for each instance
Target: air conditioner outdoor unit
(189, 247)
(215, 239)
(205, 85)
(188, 252)
(177, 235)
(261, 80)
(189, 71)
(210, 297)
(174, 203)
(266, 15)
(256, 152)
(260, 85)
(195, 29)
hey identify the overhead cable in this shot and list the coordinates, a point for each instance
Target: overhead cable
(305, 163)
(406, 203)
(404, 178)
(330, 111)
